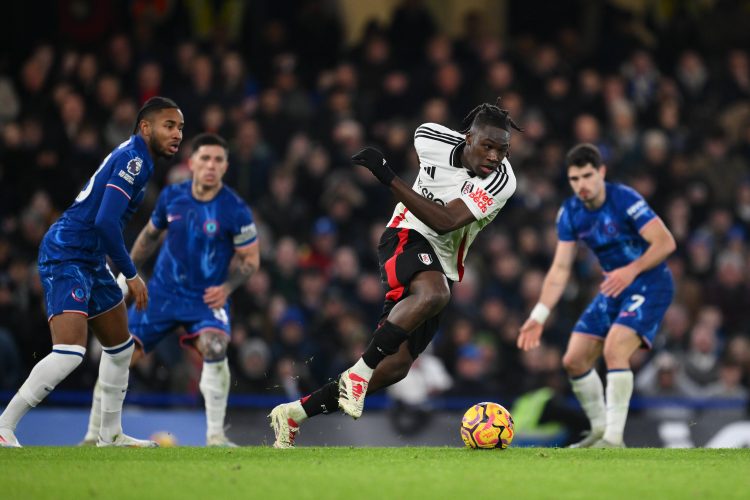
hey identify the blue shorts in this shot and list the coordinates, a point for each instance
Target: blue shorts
(641, 306)
(165, 314)
(81, 287)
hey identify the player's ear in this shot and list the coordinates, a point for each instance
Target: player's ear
(603, 170)
(468, 138)
(145, 127)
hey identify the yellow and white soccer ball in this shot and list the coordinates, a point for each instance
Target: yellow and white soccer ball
(487, 425)
(165, 439)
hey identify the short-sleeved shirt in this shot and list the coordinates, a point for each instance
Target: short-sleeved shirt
(201, 239)
(442, 178)
(612, 231)
(126, 169)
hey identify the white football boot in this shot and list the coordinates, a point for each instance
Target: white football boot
(220, 441)
(588, 440)
(603, 443)
(8, 439)
(284, 427)
(125, 441)
(352, 390)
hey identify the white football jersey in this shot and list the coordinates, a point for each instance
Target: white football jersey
(442, 179)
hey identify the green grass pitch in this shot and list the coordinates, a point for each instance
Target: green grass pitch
(358, 473)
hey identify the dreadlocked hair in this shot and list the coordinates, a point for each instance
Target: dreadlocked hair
(154, 104)
(489, 114)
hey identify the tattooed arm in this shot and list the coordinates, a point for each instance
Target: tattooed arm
(146, 244)
(245, 262)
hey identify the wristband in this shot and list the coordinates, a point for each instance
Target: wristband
(122, 283)
(539, 313)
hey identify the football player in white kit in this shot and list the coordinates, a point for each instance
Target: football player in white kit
(465, 178)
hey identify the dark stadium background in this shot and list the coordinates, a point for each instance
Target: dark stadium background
(662, 87)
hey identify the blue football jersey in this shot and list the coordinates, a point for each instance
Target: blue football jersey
(201, 238)
(612, 231)
(127, 169)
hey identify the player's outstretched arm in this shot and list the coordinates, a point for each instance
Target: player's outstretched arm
(661, 245)
(552, 288)
(244, 263)
(442, 219)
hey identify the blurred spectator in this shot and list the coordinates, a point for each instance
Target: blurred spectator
(281, 209)
(323, 243)
(250, 160)
(701, 360)
(426, 379)
(254, 367)
(663, 378)
(11, 367)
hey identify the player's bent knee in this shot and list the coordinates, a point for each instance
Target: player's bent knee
(615, 358)
(434, 301)
(213, 345)
(574, 366)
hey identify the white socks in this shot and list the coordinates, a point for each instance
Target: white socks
(297, 412)
(45, 376)
(214, 386)
(95, 417)
(619, 391)
(361, 369)
(590, 393)
(114, 369)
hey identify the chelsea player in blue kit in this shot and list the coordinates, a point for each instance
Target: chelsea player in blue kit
(80, 290)
(631, 243)
(211, 248)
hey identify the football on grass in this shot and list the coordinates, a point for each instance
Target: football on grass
(487, 425)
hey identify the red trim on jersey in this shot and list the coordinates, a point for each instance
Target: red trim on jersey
(460, 262)
(397, 288)
(400, 217)
(119, 189)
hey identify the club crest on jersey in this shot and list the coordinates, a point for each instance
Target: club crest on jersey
(134, 166)
(211, 227)
(78, 294)
(468, 187)
(610, 228)
(425, 258)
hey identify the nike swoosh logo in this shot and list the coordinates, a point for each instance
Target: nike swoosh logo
(171, 218)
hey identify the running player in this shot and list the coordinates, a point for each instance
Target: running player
(80, 290)
(210, 249)
(464, 180)
(631, 243)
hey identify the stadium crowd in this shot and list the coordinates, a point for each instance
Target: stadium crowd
(295, 102)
